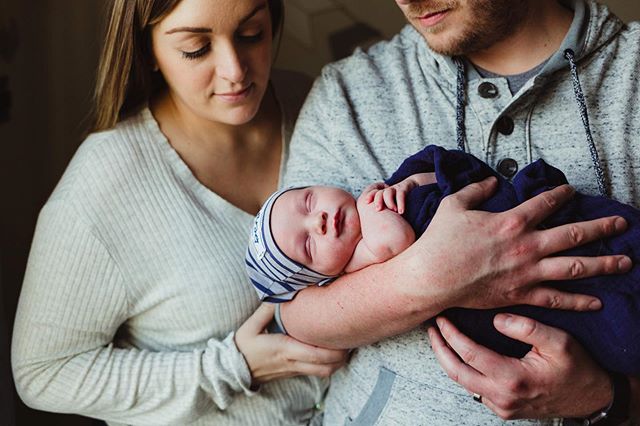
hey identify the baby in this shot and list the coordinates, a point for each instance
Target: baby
(307, 236)
(311, 235)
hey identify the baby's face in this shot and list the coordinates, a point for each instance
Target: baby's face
(317, 226)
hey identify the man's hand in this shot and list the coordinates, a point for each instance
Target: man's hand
(555, 379)
(466, 258)
(487, 260)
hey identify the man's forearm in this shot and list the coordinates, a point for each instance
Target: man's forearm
(359, 308)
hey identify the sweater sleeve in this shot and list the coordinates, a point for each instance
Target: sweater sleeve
(73, 301)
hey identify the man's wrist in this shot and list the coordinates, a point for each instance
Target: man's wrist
(616, 412)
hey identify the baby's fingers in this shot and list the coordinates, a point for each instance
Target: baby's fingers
(371, 191)
(400, 199)
(389, 196)
(378, 201)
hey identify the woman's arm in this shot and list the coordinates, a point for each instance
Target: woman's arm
(466, 258)
(73, 302)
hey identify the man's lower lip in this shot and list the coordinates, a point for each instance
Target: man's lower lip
(236, 97)
(433, 19)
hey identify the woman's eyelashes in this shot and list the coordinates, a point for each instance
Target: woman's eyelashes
(250, 37)
(197, 53)
(242, 38)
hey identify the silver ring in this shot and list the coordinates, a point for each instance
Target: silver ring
(477, 397)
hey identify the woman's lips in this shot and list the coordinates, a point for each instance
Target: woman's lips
(238, 96)
(432, 19)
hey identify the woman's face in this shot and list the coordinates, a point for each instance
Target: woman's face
(215, 56)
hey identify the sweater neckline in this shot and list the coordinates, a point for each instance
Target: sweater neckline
(210, 198)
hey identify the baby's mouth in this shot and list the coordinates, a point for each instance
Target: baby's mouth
(337, 222)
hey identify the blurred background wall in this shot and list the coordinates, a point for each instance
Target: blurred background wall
(48, 55)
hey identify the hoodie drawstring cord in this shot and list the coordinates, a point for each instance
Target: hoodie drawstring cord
(461, 135)
(582, 106)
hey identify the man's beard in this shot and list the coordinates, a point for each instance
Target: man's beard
(490, 22)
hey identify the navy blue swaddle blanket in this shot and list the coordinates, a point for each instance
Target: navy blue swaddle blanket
(612, 334)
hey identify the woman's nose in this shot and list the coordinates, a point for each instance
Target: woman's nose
(229, 64)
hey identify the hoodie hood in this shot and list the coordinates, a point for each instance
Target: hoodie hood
(593, 26)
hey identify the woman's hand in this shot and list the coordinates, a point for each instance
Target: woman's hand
(482, 260)
(276, 356)
(557, 378)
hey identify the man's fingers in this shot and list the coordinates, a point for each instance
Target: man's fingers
(538, 208)
(458, 371)
(477, 356)
(473, 194)
(576, 234)
(554, 299)
(542, 337)
(575, 267)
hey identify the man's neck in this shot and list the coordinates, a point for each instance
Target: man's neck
(538, 38)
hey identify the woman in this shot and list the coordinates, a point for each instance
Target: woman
(135, 282)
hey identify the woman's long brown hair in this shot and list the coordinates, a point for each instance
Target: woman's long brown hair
(125, 79)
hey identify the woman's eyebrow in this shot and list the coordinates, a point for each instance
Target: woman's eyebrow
(208, 30)
(189, 30)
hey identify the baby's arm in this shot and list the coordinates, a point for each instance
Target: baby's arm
(385, 233)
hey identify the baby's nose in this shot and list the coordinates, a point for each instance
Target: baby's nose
(321, 223)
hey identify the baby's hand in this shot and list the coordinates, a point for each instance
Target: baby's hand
(393, 197)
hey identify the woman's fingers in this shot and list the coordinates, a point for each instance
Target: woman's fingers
(572, 235)
(259, 320)
(312, 354)
(318, 370)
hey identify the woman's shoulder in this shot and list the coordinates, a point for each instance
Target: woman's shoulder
(107, 160)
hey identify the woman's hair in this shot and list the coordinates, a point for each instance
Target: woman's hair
(125, 78)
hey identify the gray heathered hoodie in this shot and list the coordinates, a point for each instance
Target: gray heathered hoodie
(368, 112)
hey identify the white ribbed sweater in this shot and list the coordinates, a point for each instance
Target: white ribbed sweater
(134, 287)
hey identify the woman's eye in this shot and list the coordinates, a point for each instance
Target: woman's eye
(197, 53)
(251, 37)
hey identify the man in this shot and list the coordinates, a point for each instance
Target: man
(509, 81)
